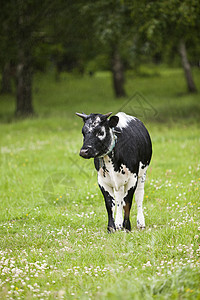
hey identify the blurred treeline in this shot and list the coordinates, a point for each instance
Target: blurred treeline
(85, 36)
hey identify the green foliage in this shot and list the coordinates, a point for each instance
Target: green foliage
(99, 63)
(111, 19)
(165, 23)
(53, 218)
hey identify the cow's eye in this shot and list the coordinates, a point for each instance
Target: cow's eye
(99, 133)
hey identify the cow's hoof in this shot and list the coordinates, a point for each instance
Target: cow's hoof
(111, 229)
(140, 224)
(126, 230)
(127, 225)
(118, 228)
(141, 227)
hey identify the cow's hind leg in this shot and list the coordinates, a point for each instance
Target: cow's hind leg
(139, 195)
(110, 206)
(128, 203)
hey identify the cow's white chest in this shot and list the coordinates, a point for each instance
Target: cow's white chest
(121, 180)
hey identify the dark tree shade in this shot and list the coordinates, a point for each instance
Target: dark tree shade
(6, 79)
(21, 21)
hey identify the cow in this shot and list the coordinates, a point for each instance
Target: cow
(122, 149)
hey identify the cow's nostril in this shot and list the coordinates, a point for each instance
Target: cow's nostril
(83, 152)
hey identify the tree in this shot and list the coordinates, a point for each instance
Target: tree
(6, 78)
(118, 73)
(187, 68)
(111, 24)
(21, 21)
(7, 49)
(182, 18)
(71, 37)
(170, 22)
(29, 16)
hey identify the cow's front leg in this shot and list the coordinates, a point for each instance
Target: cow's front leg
(110, 206)
(119, 198)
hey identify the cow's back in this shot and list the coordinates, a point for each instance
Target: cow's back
(133, 145)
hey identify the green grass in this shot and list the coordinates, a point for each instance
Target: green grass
(53, 239)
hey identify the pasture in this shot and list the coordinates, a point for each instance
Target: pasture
(53, 238)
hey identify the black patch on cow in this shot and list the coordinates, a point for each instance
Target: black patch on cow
(133, 145)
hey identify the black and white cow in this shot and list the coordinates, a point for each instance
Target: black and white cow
(122, 149)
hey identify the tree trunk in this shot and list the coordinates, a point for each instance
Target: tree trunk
(187, 68)
(6, 79)
(24, 84)
(118, 75)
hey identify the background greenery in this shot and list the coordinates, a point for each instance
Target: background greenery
(53, 238)
(85, 37)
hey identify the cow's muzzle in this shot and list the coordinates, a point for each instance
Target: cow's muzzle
(85, 153)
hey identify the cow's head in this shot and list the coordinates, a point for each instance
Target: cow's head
(98, 135)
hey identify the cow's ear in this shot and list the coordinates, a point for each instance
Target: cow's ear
(113, 121)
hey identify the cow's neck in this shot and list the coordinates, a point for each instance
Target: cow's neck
(110, 150)
(112, 145)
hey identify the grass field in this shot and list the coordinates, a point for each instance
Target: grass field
(53, 238)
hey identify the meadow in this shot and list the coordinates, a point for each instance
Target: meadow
(53, 238)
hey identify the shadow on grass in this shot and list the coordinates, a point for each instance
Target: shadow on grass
(189, 113)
